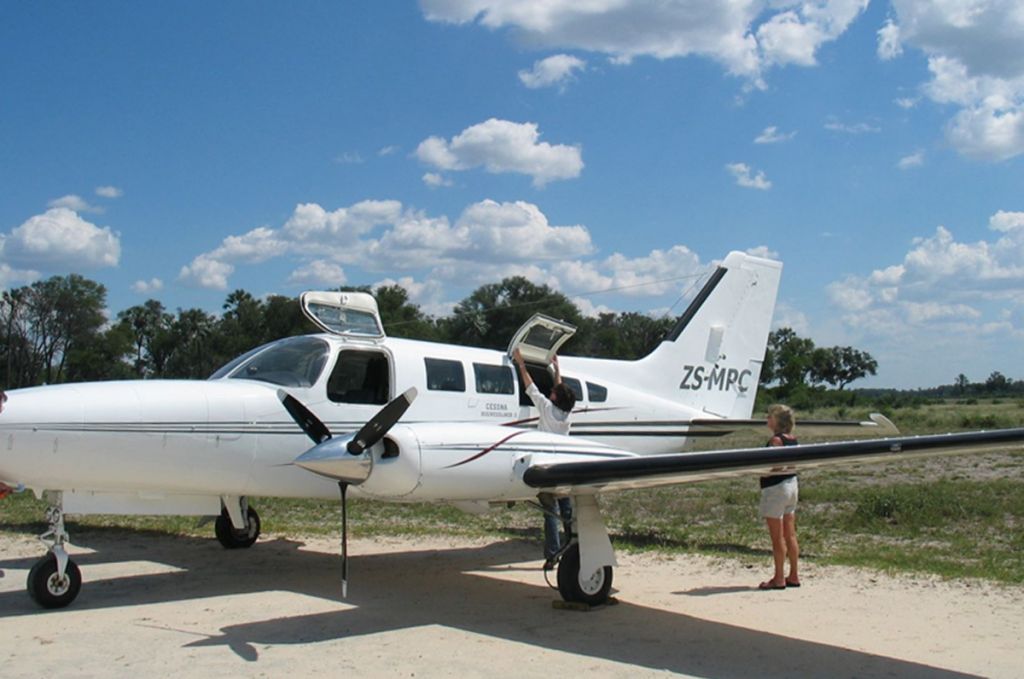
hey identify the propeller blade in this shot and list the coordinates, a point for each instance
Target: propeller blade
(304, 417)
(380, 423)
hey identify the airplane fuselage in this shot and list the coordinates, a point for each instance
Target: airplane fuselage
(230, 435)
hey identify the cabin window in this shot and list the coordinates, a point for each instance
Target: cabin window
(493, 379)
(574, 386)
(360, 377)
(596, 393)
(445, 375)
(292, 362)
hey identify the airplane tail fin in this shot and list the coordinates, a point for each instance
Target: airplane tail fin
(711, 361)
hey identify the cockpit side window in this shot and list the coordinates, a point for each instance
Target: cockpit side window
(493, 379)
(360, 377)
(444, 375)
(292, 362)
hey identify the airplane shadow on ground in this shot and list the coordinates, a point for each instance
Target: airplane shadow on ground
(396, 591)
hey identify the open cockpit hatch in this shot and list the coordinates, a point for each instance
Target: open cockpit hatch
(540, 337)
(353, 315)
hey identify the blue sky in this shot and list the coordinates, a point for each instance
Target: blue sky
(183, 150)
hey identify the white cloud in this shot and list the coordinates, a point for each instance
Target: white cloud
(388, 151)
(348, 158)
(851, 128)
(146, 287)
(907, 103)
(206, 272)
(436, 180)
(1006, 221)
(976, 60)
(658, 273)
(502, 146)
(60, 239)
(915, 159)
(771, 135)
(10, 277)
(109, 192)
(381, 235)
(941, 278)
(74, 203)
(318, 273)
(744, 36)
(890, 45)
(556, 70)
(747, 178)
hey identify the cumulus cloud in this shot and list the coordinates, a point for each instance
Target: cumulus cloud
(74, 203)
(554, 71)
(655, 274)
(146, 287)
(59, 240)
(835, 125)
(206, 272)
(109, 192)
(976, 61)
(771, 135)
(746, 177)
(318, 273)
(436, 180)
(501, 146)
(915, 159)
(942, 278)
(382, 235)
(744, 37)
(889, 44)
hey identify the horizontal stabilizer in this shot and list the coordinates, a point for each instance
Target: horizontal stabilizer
(876, 425)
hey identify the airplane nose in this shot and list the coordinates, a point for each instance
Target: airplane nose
(332, 459)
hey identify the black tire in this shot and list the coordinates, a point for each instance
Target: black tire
(237, 539)
(594, 591)
(49, 591)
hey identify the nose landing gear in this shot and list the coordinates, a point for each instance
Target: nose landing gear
(55, 580)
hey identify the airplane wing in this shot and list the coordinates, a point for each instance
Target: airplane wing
(648, 471)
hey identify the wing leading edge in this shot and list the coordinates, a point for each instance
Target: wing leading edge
(660, 470)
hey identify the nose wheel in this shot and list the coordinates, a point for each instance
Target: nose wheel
(55, 580)
(234, 538)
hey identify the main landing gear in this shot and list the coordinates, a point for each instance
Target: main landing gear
(591, 584)
(592, 590)
(54, 581)
(232, 531)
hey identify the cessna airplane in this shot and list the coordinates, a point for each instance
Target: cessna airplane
(470, 438)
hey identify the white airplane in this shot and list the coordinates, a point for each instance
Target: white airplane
(203, 448)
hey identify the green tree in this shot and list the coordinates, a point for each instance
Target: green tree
(492, 313)
(147, 324)
(402, 318)
(839, 366)
(789, 359)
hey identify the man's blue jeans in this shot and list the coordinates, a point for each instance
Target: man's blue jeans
(556, 510)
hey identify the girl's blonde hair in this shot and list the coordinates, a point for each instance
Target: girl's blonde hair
(784, 419)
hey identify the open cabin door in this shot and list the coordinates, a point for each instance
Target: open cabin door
(353, 315)
(540, 337)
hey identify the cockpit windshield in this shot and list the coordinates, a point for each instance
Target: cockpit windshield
(291, 362)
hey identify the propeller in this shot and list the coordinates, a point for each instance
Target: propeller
(304, 417)
(335, 458)
(380, 423)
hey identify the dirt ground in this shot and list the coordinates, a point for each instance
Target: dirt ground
(154, 605)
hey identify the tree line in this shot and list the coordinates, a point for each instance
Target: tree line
(55, 330)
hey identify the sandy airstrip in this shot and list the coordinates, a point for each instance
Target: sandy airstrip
(184, 607)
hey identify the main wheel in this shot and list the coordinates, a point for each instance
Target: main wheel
(50, 590)
(232, 538)
(592, 590)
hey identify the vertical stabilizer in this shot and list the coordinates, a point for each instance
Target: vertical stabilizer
(711, 360)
